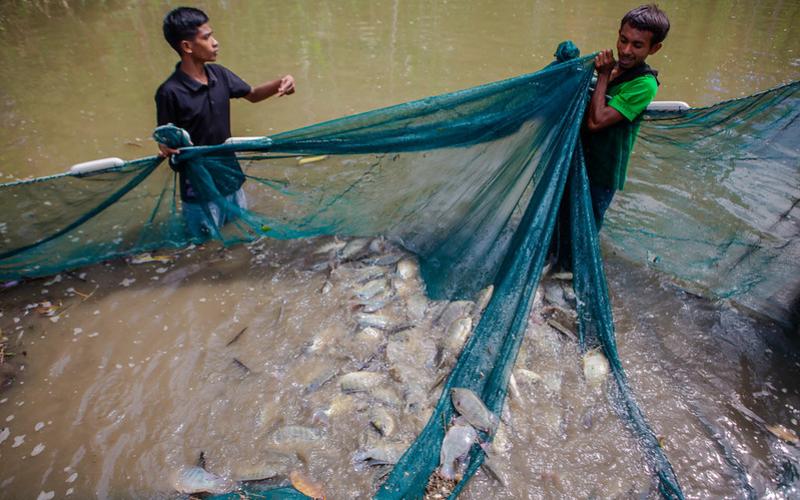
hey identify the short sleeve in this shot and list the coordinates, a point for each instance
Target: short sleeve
(165, 107)
(634, 97)
(237, 87)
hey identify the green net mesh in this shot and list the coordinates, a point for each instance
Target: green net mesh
(471, 182)
(713, 201)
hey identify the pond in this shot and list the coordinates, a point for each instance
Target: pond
(125, 372)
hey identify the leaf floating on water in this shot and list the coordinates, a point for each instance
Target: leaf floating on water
(306, 486)
(144, 258)
(311, 159)
(782, 432)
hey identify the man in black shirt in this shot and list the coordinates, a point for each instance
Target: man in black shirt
(196, 97)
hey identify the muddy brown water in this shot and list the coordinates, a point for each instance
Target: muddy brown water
(135, 378)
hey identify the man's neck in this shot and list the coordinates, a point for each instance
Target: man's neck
(195, 69)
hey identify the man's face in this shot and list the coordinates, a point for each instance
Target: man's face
(633, 46)
(204, 47)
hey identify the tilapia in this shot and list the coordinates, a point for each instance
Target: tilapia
(375, 304)
(455, 446)
(306, 485)
(274, 465)
(296, 433)
(385, 454)
(331, 246)
(457, 334)
(407, 269)
(384, 260)
(374, 320)
(386, 395)
(360, 381)
(371, 289)
(595, 366)
(198, 480)
(470, 406)
(353, 248)
(383, 421)
(417, 305)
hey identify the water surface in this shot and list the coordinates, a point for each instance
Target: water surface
(135, 378)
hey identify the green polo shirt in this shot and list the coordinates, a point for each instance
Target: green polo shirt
(607, 151)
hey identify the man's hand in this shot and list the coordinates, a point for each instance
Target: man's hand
(164, 151)
(600, 114)
(604, 62)
(286, 86)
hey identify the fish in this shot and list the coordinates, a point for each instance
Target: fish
(382, 421)
(782, 432)
(527, 376)
(274, 465)
(362, 274)
(371, 289)
(374, 320)
(386, 395)
(332, 246)
(383, 260)
(360, 381)
(595, 366)
(321, 380)
(407, 269)
(554, 294)
(457, 334)
(376, 303)
(417, 305)
(455, 446)
(306, 486)
(470, 406)
(195, 479)
(384, 454)
(296, 433)
(353, 248)
(378, 245)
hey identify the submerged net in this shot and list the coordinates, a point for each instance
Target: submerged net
(471, 182)
(715, 201)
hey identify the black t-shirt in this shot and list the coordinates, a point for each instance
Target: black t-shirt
(200, 109)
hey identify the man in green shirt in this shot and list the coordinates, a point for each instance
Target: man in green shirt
(612, 124)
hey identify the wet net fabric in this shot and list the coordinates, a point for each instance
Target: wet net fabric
(714, 201)
(471, 182)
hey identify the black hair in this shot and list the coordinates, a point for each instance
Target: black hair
(181, 24)
(648, 18)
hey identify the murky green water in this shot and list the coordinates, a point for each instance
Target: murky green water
(78, 78)
(135, 378)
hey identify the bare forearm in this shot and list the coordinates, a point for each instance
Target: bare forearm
(600, 114)
(598, 103)
(281, 86)
(264, 91)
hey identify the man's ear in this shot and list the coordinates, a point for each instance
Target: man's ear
(655, 48)
(186, 46)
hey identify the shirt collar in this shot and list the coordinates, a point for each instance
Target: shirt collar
(190, 82)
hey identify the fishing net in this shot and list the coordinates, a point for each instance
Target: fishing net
(471, 182)
(714, 201)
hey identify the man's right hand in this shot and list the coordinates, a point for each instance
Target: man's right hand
(604, 62)
(164, 151)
